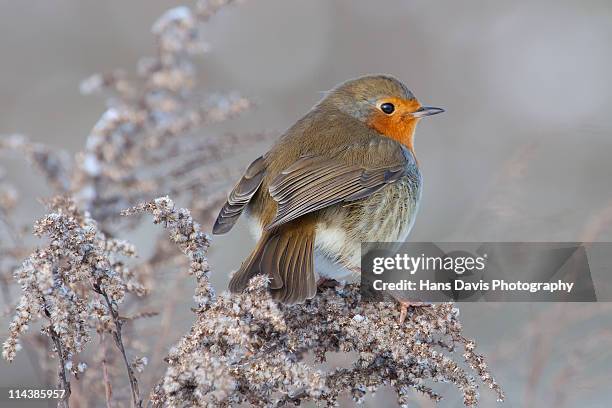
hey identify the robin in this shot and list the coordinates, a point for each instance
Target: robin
(343, 174)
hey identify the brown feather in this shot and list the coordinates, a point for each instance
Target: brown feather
(251, 266)
(316, 182)
(286, 256)
(240, 196)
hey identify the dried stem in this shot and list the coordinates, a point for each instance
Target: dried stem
(63, 378)
(64, 381)
(108, 388)
(117, 336)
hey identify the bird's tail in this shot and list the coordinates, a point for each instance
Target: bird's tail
(285, 254)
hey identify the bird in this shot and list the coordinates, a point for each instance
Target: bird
(343, 174)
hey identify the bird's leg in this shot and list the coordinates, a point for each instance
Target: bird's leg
(405, 304)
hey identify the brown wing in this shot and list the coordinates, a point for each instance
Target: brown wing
(316, 182)
(240, 196)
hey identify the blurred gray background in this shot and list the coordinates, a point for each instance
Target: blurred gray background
(523, 152)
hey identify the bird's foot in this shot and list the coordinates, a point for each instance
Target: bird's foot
(405, 304)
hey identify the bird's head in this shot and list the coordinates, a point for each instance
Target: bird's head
(383, 103)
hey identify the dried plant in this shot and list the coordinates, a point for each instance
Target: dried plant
(85, 285)
(75, 283)
(248, 349)
(11, 239)
(158, 115)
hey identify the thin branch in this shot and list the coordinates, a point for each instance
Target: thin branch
(64, 381)
(136, 400)
(108, 388)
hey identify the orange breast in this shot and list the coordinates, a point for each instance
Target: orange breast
(399, 126)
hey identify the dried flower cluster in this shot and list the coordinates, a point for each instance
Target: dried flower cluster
(54, 165)
(149, 140)
(10, 236)
(142, 128)
(241, 348)
(75, 284)
(188, 235)
(248, 349)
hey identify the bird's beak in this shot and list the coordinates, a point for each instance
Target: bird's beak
(426, 111)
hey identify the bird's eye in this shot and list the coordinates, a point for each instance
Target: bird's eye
(387, 107)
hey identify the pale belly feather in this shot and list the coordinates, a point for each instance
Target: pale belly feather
(387, 216)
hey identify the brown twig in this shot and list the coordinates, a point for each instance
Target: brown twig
(64, 381)
(108, 388)
(136, 400)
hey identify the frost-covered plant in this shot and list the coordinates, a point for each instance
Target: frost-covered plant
(74, 284)
(151, 138)
(188, 235)
(246, 348)
(145, 141)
